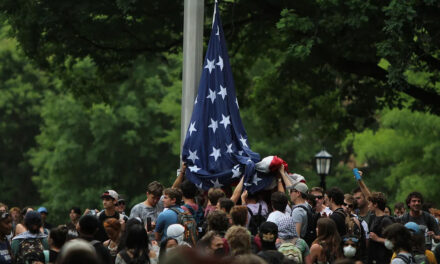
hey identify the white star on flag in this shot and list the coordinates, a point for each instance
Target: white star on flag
(225, 121)
(220, 63)
(193, 156)
(211, 95)
(200, 186)
(236, 172)
(193, 168)
(216, 183)
(215, 153)
(213, 125)
(240, 152)
(195, 101)
(256, 179)
(236, 102)
(192, 128)
(223, 92)
(243, 141)
(210, 65)
(229, 150)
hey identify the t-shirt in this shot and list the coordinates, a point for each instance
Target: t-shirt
(143, 212)
(286, 227)
(339, 217)
(299, 215)
(401, 261)
(426, 223)
(377, 251)
(256, 206)
(165, 219)
(5, 256)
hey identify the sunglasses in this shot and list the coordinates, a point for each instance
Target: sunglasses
(349, 205)
(319, 197)
(352, 239)
(4, 215)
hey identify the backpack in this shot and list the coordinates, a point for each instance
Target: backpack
(291, 252)
(198, 215)
(312, 220)
(186, 219)
(406, 259)
(255, 220)
(29, 250)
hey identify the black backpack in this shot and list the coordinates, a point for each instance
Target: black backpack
(312, 220)
(256, 220)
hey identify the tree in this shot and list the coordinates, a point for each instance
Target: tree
(82, 151)
(21, 91)
(402, 155)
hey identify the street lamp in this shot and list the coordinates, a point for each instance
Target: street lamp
(323, 161)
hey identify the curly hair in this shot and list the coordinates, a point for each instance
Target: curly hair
(239, 240)
(218, 221)
(239, 215)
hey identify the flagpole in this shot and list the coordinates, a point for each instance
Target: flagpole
(192, 60)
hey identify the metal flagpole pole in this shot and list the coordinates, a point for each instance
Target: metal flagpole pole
(192, 60)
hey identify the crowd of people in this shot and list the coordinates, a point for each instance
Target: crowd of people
(290, 223)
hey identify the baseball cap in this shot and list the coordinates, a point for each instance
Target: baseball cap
(176, 231)
(411, 226)
(42, 210)
(295, 178)
(300, 187)
(110, 194)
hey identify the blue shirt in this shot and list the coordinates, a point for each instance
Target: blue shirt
(165, 219)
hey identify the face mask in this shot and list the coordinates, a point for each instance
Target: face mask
(389, 245)
(219, 252)
(169, 249)
(349, 251)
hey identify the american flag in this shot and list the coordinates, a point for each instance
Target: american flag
(216, 147)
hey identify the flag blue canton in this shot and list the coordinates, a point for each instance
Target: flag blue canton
(216, 147)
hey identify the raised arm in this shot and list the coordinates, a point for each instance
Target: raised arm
(365, 191)
(284, 176)
(237, 192)
(180, 177)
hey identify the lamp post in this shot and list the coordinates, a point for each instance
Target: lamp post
(323, 161)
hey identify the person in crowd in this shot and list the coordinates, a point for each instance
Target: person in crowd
(286, 228)
(177, 231)
(351, 248)
(378, 251)
(327, 246)
(15, 214)
(74, 215)
(20, 227)
(239, 215)
(362, 204)
(298, 196)
(268, 234)
(212, 244)
(189, 192)
(57, 238)
(32, 241)
(387, 210)
(152, 206)
(166, 246)
(136, 248)
(426, 221)
(3, 208)
(255, 204)
(44, 213)
(418, 245)
(225, 204)
(214, 194)
(113, 229)
(171, 200)
(320, 207)
(399, 209)
(398, 239)
(349, 208)
(5, 230)
(335, 200)
(78, 251)
(109, 201)
(120, 206)
(218, 222)
(88, 227)
(239, 240)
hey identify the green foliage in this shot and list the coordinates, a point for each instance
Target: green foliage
(402, 155)
(83, 151)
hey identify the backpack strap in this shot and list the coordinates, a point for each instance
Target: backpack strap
(124, 255)
(250, 211)
(259, 209)
(190, 209)
(404, 258)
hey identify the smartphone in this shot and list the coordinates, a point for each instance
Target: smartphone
(149, 224)
(356, 174)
